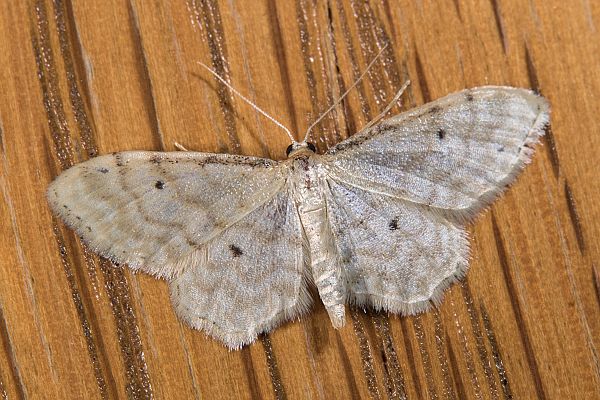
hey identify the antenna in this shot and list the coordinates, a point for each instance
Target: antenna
(391, 104)
(306, 136)
(257, 108)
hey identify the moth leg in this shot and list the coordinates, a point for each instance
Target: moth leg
(179, 146)
(391, 104)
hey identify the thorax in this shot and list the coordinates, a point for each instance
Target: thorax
(307, 179)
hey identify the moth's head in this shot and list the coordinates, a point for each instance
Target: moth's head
(297, 148)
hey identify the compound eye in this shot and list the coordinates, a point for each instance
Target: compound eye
(289, 149)
(312, 147)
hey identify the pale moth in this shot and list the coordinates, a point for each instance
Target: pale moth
(377, 220)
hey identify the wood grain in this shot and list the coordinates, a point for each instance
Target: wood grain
(85, 78)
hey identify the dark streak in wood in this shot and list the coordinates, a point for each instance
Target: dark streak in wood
(1, 138)
(549, 135)
(478, 336)
(81, 77)
(457, 378)
(425, 357)
(457, 8)
(209, 17)
(250, 374)
(516, 307)
(337, 78)
(66, 46)
(138, 384)
(274, 374)
(394, 384)
(366, 355)
(350, 122)
(304, 36)
(89, 324)
(389, 62)
(347, 367)
(441, 353)
(62, 145)
(502, 374)
(467, 356)
(411, 357)
(421, 78)
(380, 38)
(390, 19)
(145, 78)
(534, 83)
(373, 37)
(282, 63)
(9, 353)
(360, 89)
(48, 80)
(574, 217)
(70, 48)
(596, 279)
(499, 25)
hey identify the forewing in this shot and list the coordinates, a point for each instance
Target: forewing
(249, 278)
(455, 154)
(151, 209)
(395, 255)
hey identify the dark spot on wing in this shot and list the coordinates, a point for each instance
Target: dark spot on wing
(159, 185)
(501, 149)
(393, 225)
(435, 110)
(469, 96)
(441, 133)
(103, 170)
(236, 251)
(118, 159)
(346, 255)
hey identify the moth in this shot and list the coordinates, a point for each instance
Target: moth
(376, 221)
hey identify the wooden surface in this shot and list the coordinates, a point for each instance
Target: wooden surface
(84, 78)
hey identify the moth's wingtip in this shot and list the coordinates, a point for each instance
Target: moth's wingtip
(542, 104)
